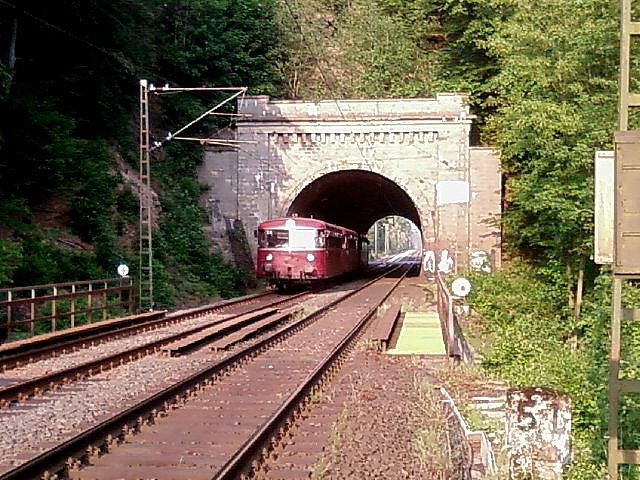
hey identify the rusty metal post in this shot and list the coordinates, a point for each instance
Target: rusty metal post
(626, 234)
(132, 298)
(9, 312)
(32, 312)
(105, 302)
(626, 266)
(90, 304)
(73, 307)
(54, 311)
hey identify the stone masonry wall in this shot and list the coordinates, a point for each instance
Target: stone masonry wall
(422, 145)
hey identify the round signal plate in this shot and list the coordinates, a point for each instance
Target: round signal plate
(461, 287)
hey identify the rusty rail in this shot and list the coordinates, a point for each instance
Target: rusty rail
(57, 306)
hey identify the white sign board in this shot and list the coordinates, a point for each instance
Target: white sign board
(461, 287)
(452, 191)
(603, 208)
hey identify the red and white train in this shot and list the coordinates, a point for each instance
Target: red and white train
(298, 250)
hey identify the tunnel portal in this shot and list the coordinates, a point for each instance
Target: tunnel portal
(352, 162)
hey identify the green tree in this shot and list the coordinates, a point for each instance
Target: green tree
(68, 107)
(555, 97)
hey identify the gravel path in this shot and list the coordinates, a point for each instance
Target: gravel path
(394, 426)
(382, 418)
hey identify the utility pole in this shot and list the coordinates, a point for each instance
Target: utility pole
(145, 280)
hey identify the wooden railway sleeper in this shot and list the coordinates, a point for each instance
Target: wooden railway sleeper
(47, 475)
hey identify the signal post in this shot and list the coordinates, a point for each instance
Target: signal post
(626, 246)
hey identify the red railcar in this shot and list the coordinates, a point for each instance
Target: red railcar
(297, 250)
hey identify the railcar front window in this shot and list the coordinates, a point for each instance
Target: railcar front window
(273, 238)
(305, 238)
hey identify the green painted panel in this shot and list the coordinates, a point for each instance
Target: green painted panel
(421, 334)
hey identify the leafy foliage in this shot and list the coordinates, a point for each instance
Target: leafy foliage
(67, 109)
(356, 49)
(530, 326)
(552, 84)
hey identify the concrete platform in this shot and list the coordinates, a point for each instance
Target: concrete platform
(421, 334)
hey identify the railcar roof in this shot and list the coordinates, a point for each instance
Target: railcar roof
(303, 222)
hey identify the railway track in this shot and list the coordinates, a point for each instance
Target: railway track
(277, 373)
(22, 352)
(133, 342)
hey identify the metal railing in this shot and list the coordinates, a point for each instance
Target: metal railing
(455, 342)
(445, 312)
(27, 311)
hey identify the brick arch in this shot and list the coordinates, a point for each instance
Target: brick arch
(358, 207)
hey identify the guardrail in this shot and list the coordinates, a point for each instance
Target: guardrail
(455, 343)
(482, 459)
(27, 311)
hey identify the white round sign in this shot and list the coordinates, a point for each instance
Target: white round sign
(461, 287)
(123, 270)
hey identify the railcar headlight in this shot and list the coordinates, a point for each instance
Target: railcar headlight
(269, 257)
(310, 257)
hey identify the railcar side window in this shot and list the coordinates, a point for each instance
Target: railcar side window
(334, 241)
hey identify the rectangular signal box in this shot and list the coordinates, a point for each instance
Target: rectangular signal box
(627, 203)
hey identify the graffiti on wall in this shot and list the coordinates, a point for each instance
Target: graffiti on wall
(443, 263)
(479, 261)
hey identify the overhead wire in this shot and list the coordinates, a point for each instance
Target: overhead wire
(118, 58)
(69, 34)
(128, 64)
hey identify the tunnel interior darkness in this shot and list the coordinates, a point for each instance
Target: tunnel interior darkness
(354, 199)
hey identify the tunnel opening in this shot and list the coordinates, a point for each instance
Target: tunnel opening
(355, 199)
(394, 236)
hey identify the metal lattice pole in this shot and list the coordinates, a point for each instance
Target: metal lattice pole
(146, 251)
(146, 211)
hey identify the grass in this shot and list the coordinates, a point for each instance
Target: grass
(433, 440)
(340, 432)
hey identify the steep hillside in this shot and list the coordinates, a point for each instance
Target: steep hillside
(68, 134)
